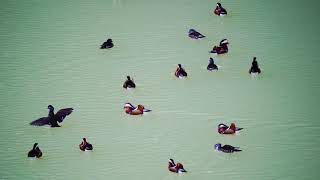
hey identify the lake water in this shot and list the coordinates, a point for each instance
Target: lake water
(50, 54)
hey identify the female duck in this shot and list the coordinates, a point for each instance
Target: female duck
(107, 44)
(52, 119)
(180, 72)
(195, 34)
(211, 66)
(35, 151)
(254, 67)
(85, 146)
(129, 83)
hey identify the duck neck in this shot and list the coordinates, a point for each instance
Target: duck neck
(51, 113)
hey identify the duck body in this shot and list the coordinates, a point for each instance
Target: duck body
(129, 83)
(224, 129)
(85, 146)
(226, 148)
(211, 66)
(107, 44)
(35, 151)
(254, 67)
(52, 119)
(180, 72)
(176, 168)
(132, 110)
(222, 48)
(195, 34)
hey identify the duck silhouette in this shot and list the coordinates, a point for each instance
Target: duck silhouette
(85, 145)
(52, 119)
(212, 66)
(35, 151)
(195, 34)
(107, 44)
(255, 67)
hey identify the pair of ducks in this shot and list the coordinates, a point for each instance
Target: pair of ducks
(224, 129)
(128, 107)
(221, 49)
(253, 69)
(36, 152)
(181, 72)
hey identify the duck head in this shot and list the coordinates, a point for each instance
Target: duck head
(211, 60)
(254, 60)
(171, 163)
(219, 5)
(109, 41)
(171, 160)
(224, 41)
(128, 105)
(35, 145)
(217, 146)
(84, 139)
(50, 107)
(191, 30)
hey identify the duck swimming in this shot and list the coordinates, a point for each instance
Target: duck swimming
(195, 34)
(52, 118)
(177, 168)
(226, 148)
(35, 151)
(180, 72)
(224, 129)
(211, 66)
(222, 48)
(254, 67)
(85, 146)
(107, 44)
(129, 83)
(132, 110)
(220, 11)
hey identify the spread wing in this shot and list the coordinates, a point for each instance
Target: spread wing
(62, 113)
(40, 122)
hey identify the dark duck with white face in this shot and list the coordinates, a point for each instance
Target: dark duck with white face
(52, 118)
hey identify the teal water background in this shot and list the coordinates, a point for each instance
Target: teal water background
(49, 54)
